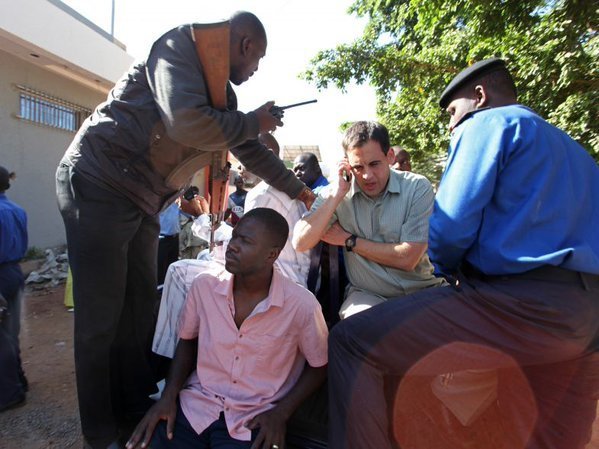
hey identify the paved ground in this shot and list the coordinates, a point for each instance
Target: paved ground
(49, 418)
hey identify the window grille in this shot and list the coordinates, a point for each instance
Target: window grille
(39, 107)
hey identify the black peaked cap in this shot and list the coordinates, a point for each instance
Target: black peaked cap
(475, 70)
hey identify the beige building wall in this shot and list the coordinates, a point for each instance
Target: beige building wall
(48, 47)
(32, 150)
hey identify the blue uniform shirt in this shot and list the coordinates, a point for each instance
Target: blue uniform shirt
(319, 184)
(13, 231)
(169, 220)
(517, 193)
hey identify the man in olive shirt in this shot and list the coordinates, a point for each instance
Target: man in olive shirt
(380, 218)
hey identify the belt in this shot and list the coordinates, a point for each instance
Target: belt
(548, 273)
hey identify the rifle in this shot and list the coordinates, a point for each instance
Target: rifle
(212, 46)
(277, 111)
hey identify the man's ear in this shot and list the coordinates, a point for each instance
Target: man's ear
(274, 252)
(246, 44)
(390, 156)
(482, 97)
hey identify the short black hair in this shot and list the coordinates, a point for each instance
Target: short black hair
(361, 132)
(246, 23)
(5, 178)
(275, 225)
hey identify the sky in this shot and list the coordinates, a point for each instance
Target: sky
(296, 30)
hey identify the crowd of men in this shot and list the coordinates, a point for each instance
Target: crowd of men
(488, 287)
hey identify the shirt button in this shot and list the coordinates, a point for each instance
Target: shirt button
(237, 357)
(226, 409)
(234, 381)
(240, 335)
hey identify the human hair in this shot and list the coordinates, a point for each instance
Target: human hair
(5, 178)
(399, 150)
(312, 160)
(244, 23)
(361, 132)
(499, 81)
(276, 228)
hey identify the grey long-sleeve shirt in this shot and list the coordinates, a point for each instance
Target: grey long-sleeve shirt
(161, 104)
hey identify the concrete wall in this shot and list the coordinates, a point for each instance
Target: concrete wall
(33, 151)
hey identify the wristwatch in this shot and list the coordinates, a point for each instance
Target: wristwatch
(350, 242)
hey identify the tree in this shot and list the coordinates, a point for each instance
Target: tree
(411, 49)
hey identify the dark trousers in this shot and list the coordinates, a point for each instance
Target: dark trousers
(216, 436)
(12, 379)
(168, 252)
(112, 248)
(539, 335)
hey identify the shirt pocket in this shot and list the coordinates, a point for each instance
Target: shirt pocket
(276, 353)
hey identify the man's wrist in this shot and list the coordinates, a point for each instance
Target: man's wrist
(350, 242)
(307, 197)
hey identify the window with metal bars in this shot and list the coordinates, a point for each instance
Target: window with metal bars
(39, 107)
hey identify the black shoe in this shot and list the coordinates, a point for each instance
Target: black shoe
(17, 402)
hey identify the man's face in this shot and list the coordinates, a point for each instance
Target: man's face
(305, 169)
(371, 167)
(459, 106)
(402, 161)
(248, 251)
(247, 61)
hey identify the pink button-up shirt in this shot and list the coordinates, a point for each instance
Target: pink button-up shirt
(244, 372)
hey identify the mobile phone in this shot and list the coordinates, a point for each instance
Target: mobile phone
(346, 176)
(191, 193)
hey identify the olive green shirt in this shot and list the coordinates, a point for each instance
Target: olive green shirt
(400, 214)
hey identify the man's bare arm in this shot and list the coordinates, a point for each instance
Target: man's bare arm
(404, 255)
(309, 230)
(183, 364)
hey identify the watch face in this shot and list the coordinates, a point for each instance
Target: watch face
(350, 242)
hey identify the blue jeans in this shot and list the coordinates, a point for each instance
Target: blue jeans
(215, 436)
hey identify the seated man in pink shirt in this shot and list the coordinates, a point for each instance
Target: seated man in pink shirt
(246, 334)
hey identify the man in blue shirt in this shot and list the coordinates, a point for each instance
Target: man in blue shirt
(168, 240)
(307, 169)
(515, 227)
(13, 245)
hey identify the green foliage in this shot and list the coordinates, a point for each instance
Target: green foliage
(411, 49)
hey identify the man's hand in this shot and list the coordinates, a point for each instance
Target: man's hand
(344, 173)
(336, 235)
(266, 121)
(196, 206)
(272, 427)
(164, 409)
(307, 197)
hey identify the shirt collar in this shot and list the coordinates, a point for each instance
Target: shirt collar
(468, 115)
(276, 296)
